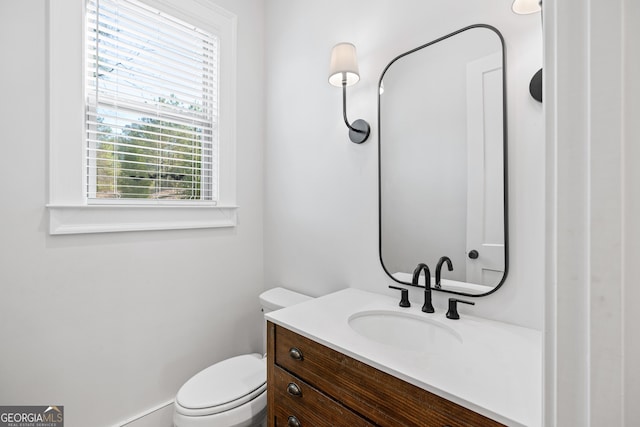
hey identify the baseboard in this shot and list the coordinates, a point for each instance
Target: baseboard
(158, 416)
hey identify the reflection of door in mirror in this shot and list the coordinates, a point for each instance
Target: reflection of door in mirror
(485, 191)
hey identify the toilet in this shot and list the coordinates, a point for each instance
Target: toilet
(233, 392)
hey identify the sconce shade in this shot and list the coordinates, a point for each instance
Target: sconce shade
(525, 7)
(344, 65)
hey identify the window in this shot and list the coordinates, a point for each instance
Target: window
(142, 125)
(151, 113)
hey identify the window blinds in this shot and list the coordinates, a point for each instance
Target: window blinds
(152, 105)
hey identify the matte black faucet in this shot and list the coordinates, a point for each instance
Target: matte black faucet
(427, 307)
(439, 269)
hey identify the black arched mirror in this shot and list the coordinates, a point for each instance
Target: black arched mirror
(442, 162)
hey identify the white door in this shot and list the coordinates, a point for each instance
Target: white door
(485, 188)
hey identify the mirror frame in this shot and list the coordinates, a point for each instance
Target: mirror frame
(504, 160)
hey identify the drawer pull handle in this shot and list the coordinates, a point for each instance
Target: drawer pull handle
(294, 390)
(293, 422)
(295, 353)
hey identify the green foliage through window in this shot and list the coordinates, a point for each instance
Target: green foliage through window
(149, 158)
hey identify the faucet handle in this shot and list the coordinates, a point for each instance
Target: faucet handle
(453, 308)
(404, 296)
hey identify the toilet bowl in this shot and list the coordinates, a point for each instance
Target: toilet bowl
(231, 393)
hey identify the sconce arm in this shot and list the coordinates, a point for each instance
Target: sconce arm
(359, 131)
(344, 109)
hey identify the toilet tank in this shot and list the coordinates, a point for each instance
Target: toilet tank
(277, 298)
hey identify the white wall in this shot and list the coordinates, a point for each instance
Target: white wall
(111, 325)
(321, 220)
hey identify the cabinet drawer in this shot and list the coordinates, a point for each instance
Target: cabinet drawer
(311, 408)
(382, 398)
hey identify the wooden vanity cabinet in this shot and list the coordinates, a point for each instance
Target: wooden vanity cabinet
(311, 385)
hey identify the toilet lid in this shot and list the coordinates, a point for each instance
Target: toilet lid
(226, 384)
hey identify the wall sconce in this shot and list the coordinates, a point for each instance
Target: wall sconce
(344, 72)
(526, 7)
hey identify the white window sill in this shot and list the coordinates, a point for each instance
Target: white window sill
(81, 219)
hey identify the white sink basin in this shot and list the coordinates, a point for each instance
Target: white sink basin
(405, 331)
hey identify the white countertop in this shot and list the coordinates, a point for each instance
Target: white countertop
(496, 371)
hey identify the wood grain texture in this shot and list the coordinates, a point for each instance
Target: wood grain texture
(382, 398)
(312, 407)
